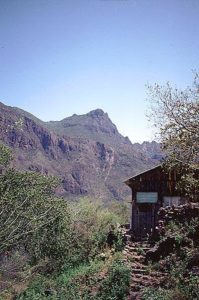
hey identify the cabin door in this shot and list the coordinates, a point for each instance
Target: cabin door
(145, 219)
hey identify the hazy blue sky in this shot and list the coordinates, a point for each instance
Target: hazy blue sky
(60, 57)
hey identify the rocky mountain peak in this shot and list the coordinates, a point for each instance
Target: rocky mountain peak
(97, 113)
(86, 152)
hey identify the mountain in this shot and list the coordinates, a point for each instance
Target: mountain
(86, 152)
(95, 125)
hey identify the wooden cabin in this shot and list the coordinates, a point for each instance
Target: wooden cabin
(151, 190)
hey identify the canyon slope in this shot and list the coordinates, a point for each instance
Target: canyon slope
(86, 152)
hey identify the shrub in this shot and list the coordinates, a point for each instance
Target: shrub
(115, 285)
(162, 294)
(56, 234)
(31, 215)
(91, 223)
(180, 262)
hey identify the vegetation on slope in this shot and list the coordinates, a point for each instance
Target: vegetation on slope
(177, 253)
(175, 114)
(57, 248)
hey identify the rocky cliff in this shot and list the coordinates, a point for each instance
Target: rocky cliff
(86, 152)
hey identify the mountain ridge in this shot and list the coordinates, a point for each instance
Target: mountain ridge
(86, 152)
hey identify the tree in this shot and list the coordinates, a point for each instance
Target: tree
(32, 217)
(30, 214)
(5, 156)
(175, 114)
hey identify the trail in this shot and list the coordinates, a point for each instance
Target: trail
(141, 275)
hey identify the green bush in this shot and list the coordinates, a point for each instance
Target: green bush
(32, 216)
(5, 156)
(116, 285)
(190, 288)
(58, 236)
(82, 282)
(181, 284)
(187, 290)
(163, 294)
(91, 224)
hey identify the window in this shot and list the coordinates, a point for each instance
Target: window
(170, 201)
(143, 197)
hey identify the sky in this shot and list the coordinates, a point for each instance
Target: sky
(65, 57)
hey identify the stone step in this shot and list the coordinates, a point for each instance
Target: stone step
(141, 268)
(142, 247)
(134, 254)
(157, 274)
(141, 276)
(138, 265)
(145, 278)
(130, 249)
(128, 236)
(140, 244)
(141, 251)
(139, 271)
(136, 286)
(137, 258)
(142, 283)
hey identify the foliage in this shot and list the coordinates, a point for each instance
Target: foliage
(175, 114)
(181, 283)
(91, 224)
(121, 210)
(67, 238)
(31, 215)
(115, 285)
(5, 156)
(155, 294)
(188, 290)
(162, 294)
(84, 282)
(48, 226)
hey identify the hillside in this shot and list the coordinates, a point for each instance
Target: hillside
(87, 152)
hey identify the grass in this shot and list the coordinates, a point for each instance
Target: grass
(88, 281)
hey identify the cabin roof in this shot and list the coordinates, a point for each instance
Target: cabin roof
(127, 182)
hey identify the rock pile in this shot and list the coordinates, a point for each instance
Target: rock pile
(181, 213)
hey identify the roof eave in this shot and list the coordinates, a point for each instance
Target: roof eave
(128, 181)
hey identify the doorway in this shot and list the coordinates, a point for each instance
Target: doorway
(145, 220)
